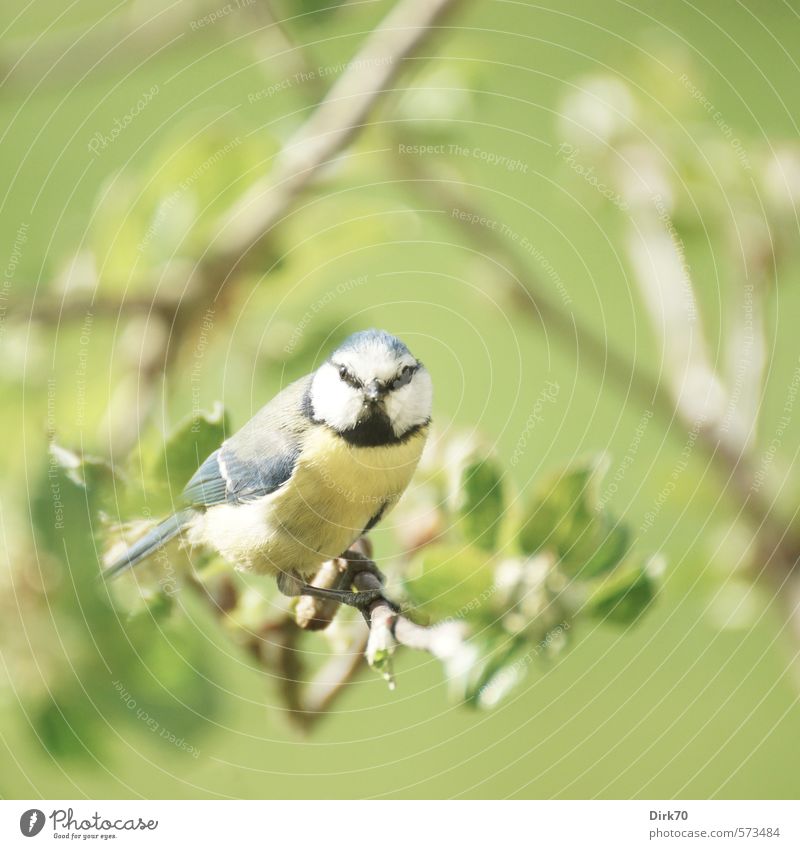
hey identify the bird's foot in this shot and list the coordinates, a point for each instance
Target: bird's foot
(290, 583)
(357, 562)
(362, 601)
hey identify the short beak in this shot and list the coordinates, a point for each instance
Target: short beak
(373, 391)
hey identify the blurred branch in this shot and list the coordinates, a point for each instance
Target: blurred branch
(331, 681)
(342, 113)
(278, 643)
(389, 629)
(333, 124)
(294, 53)
(52, 310)
(530, 295)
(667, 294)
(142, 30)
(731, 460)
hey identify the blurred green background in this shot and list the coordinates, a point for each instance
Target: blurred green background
(699, 699)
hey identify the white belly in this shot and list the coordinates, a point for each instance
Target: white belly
(334, 491)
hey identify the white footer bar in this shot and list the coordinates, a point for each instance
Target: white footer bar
(403, 824)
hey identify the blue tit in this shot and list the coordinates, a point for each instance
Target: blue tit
(320, 465)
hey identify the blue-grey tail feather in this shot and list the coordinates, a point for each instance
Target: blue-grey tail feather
(160, 535)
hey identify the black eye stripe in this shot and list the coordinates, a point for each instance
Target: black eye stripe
(348, 378)
(404, 377)
(400, 380)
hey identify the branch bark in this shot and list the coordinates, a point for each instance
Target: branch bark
(252, 221)
(734, 464)
(389, 628)
(341, 114)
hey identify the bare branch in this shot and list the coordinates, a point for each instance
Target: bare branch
(314, 614)
(251, 221)
(54, 310)
(390, 629)
(331, 681)
(734, 465)
(142, 30)
(339, 116)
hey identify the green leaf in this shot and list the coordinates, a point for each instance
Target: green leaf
(565, 516)
(64, 724)
(498, 654)
(601, 547)
(625, 594)
(186, 447)
(167, 210)
(93, 475)
(481, 503)
(452, 581)
(562, 507)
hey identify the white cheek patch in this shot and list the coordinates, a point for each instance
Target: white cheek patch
(334, 401)
(411, 405)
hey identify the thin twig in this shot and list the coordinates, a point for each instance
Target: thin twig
(52, 310)
(332, 680)
(735, 466)
(252, 220)
(341, 114)
(441, 640)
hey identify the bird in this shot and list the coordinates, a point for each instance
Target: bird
(313, 471)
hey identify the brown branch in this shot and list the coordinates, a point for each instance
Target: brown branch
(252, 221)
(441, 640)
(341, 114)
(734, 465)
(53, 310)
(140, 31)
(331, 681)
(387, 630)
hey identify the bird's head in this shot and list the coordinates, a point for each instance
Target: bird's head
(372, 389)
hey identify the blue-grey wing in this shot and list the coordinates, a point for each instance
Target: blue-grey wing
(258, 459)
(207, 485)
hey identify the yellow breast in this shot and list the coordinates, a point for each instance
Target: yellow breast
(337, 488)
(333, 493)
